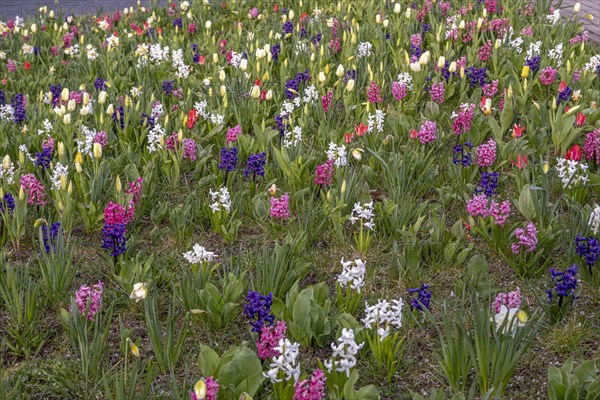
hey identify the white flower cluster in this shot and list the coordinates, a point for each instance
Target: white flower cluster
(58, 171)
(534, 49)
(363, 213)
(286, 362)
(292, 138)
(23, 149)
(6, 112)
(154, 138)
(199, 254)
(344, 354)
(375, 122)
(594, 221)
(556, 54)
(353, 274)
(383, 315)
(220, 199)
(201, 106)
(364, 49)
(7, 171)
(47, 127)
(593, 63)
(91, 52)
(572, 172)
(158, 54)
(183, 71)
(300, 48)
(84, 144)
(236, 59)
(554, 17)
(338, 154)
(310, 94)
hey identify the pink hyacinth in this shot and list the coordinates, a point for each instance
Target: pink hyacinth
(374, 93)
(34, 190)
(313, 389)
(114, 213)
(172, 142)
(478, 206)
(232, 133)
(591, 146)
(437, 92)
(189, 149)
(11, 66)
(486, 153)
(280, 207)
(398, 90)
(253, 13)
(48, 144)
(427, 132)
(527, 31)
(91, 295)
(324, 174)
(416, 40)
(490, 89)
(269, 339)
(499, 211)
(101, 138)
(527, 238)
(510, 300)
(326, 100)
(464, 119)
(135, 189)
(548, 76)
(485, 52)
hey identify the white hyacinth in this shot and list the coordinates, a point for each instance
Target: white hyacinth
(344, 354)
(338, 154)
(353, 274)
(572, 172)
(364, 49)
(199, 254)
(365, 213)
(594, 221)
(59, 170)
(220, 200)
(286, 362)
(383, 315)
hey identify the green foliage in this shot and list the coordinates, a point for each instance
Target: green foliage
(221, 307)
(569, 383)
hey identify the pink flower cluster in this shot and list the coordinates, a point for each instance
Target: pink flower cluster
(232, 133)
(313, 389)
(101, 138)
(91, 295)
(172, 142)
(189, 149)
(324, 174)
(114, 213)
(582, 37)
(34, 190)
(485, 52)
(510, 300)
(269, 339)
(212, 390)
(591, 146)
(398, 90)
(280, 207)
(548, 76)
(326, 100)
(490, 89)
(527, 238)
(48, 144)
(486, 153)
(374, 93)
(427, 132)
(480, 206)
(464, 119)
(437, 92)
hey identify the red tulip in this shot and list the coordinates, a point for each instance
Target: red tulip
(521, 161)
(574, 153)
(562, 86)
(348, 137)
(414, 133)
(361, 129)
(26, 65)
(580, 119)
(192, 117)
(517, 131)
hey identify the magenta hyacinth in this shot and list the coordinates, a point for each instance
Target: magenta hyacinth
(326, 100)
(437, 92)
(398, 90)
(427, 132)
(462, 122)
(34, 190)
(189, 149)
(548, 75)
(313, 389)
(324, 174)
(374, 93)
(591, 146)
(269, 339)
(510, 300)
(91, 295)
(280, 207)
(527, 238)
(499, 211)
(101, 138)
(479, 206)
(172, 142)
(486, 153)
(232, 133)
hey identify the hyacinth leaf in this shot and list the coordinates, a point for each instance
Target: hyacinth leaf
(208, 360)
(526, 203)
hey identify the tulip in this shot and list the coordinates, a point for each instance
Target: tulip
(407, 13)
(244, 64)
(67, 119)
(102, 97)
(452, 67)
(61, 149)
(576, 95)
(260, 53)
(339, 71)
(425, 57)
(479, 23)
(397, 8)
(200, 389)
(110, 109)
(118, 184)
(577, 7)
(6, 163)
(322, 77)
(517, 131)
(222, 75)
(269, 95)
(97, 151)
(208, 24)
(486, 105)
(461, 26)
(525, 71)
(71, 105)
(255, 92)
(223, 90)
(580, 119)
(140, 291)
(273, 190)
(350, 85)
(415, 67)
(441, 62)
(134, 349)
(521, 161)
(63, 181)
(574, 153)
(64, 95)
(546, 167)
(357, 154)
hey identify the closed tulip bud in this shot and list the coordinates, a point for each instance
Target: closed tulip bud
(291, 14)
(200, 389)
(397, 8)
(484, 12)
(462, 72)
(452, 67)
(378, 18)
(6, 163)
(63, 181)
(255, 92)
(208, 24)
(78, 167)
(312, 57)
(461, 26)
(386, 22)
(441, 62)
(340, 71)
(64, 95)
(102, 97)
(21, 194)
(70, 187)
(407, 13)
(269, 94)
(215, 58)
(65, 26)
(590, 17)
(577, 7)
(244, 64)
(118, 184)
(133, 347)
(97, 151)
(79, 158)
(222, 75)
(21, 157)
(546, 167)
(425, 57)
(554, 103)
(497, 44)
(67, 119)
(223, 90)
(415, 67)
(110, 109)
(71, 105)
(350, 85)
(61, 149)
(479, 23)
(569, 66)
(343, 189)
(33, 28)
(322, 77)
(525, 71)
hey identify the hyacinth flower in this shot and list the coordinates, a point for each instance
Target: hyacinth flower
(256, 165)
(114, 230)
(564, 293)
(462, 155)
(89, 300)
(526, 239)
(50, 237)
(311, 389)
(269, 339)
(421, 297)
(588, 248)
(205, 389)
(280, 207)
(258, 310)
(324, 175)
(365, 214)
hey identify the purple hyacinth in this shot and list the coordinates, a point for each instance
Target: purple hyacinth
(282, 123)
(49, 238)
(177, 23)
(564, 95)
(462, 155)
(229, 159)
(258, 310)
(488, 183)
(477, 75)
(114, 230)
(275, 50)
(19, 105)
(588, 249)
(9, 203)
(99, 84)
(533, 63)
(168, 86)
(288, 27)
(422, 298)
(43, 158)
(119, 116)
(256, 165)
(565, 285)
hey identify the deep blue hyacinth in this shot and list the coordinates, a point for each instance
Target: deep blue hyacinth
(533, 63)
(565, 284)
(256, 165)
(9, 203)
(229, 159)
(148, 120)
(282, 123)
(426, 27)
(168, 87)
(350, 74)
(288, 27)
(119, 116)
(55, 90)
(565, 95)
(415, 51)
(462, 155)
(316, 39)
(177, 23)
(18, 104)
(588, 248)
(2, 97)
(488, 183)
(43, 158)
(292, 86)
(422, 298)
(113, 238)
(477, 75)
(99, 84)
(49, 238)
(275, 50)
(258, 310)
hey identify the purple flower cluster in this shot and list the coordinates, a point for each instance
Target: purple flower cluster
(258, 310)
(9, 203)
(99, 84)
(588, 248)
(324, 174)
(427, 132)
(49, 238)
(526, 238)
(292, 86)
(591, 146)
(256, 165)
(486, 153)
(565, 284)
(114, 230)
(189, 149)
(19, 104)
(533, 63)
(462, 155)
(437, 92)
(488, 183)
(90, 299)
(275, 50)
(565, 94)
(422, 298)
(269, 339)
(229, 159)
(43, 158)
(510, 300)
(168, 87)
(313, 389)
(477, 76)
